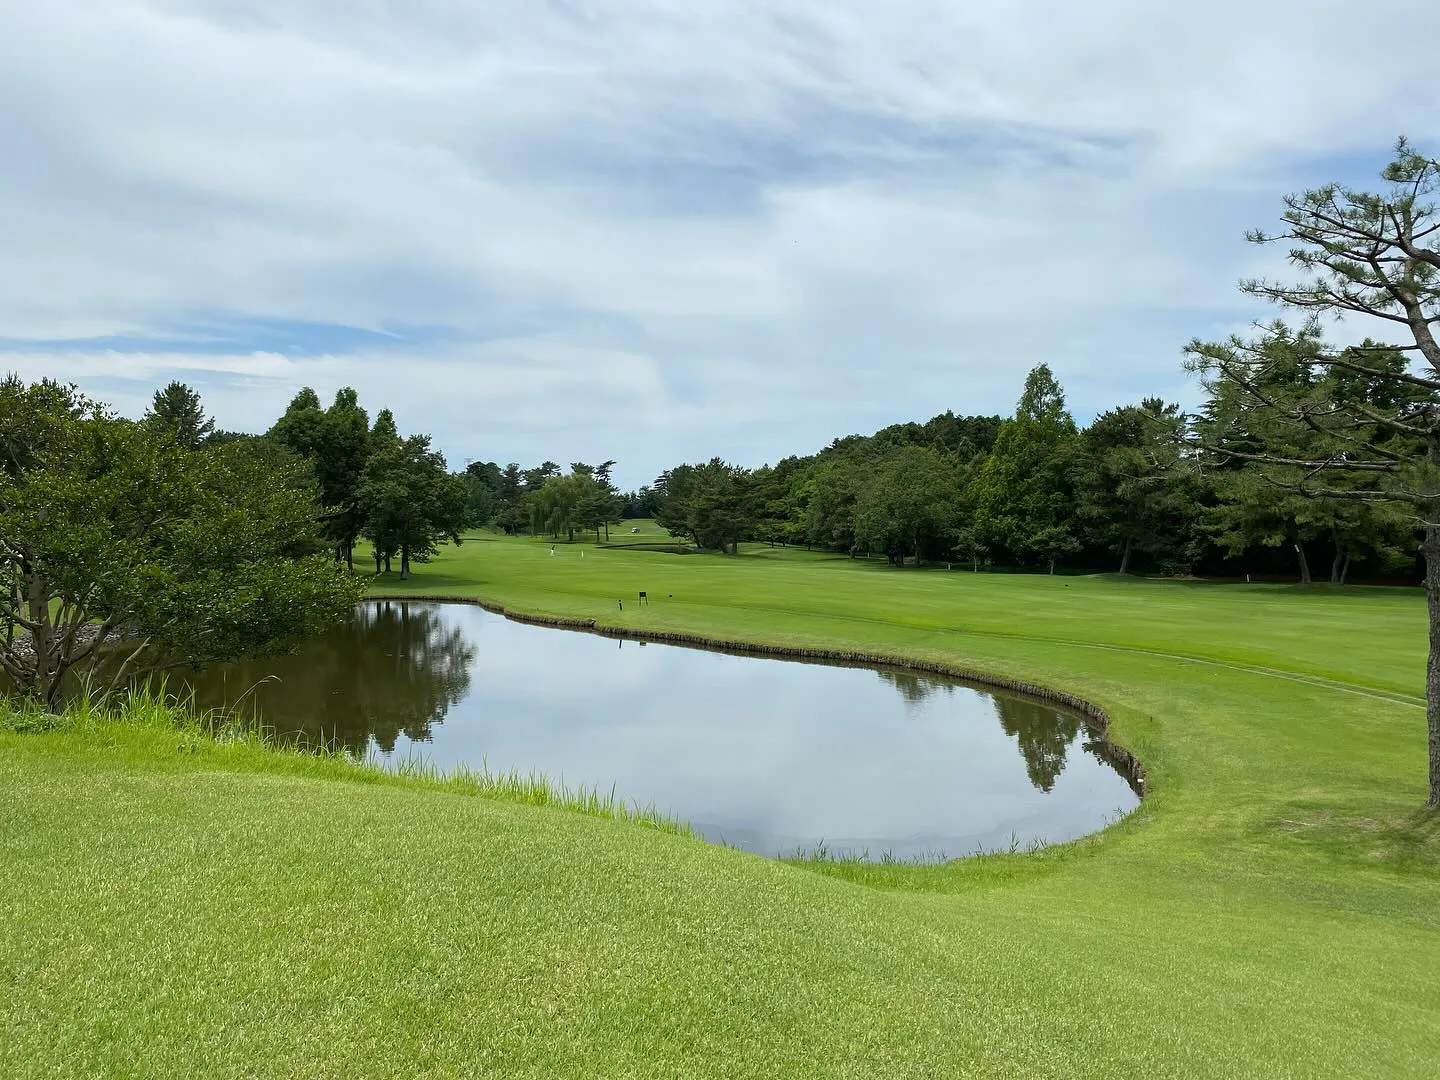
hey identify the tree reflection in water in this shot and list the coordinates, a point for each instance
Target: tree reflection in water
(1043, 733)
(915, 689)
(394, 669)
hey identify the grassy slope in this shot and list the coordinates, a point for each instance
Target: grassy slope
(1273, 909)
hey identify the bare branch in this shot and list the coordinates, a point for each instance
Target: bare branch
(1301, 463)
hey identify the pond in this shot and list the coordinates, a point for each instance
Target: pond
(773, 756)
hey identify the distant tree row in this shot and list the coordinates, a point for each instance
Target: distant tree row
(1130, 491)
(546, 502)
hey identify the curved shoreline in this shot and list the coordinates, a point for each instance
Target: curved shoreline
(1098, 720)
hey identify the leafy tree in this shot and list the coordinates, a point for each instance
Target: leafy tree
(555, 508)
(410, 500)
(336, 442)
(110, 528)
(599, 506)
(834, 495)
(908, 507)
(1021, 491)
(301, 427)
(176, 409)
(510, 511)
(1132, 492)
(969, 546)
(344, 447)
(484, 481)
(534, 479)
(378, 529)
(1372, 255)
(709, 503)
(1053, 542)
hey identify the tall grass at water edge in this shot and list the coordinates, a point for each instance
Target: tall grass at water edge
(152, 708)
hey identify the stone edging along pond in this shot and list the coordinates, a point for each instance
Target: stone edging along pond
(1097, 719)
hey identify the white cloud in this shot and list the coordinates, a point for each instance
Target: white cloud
(735, 228)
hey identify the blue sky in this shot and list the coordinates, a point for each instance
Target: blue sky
(657, 232)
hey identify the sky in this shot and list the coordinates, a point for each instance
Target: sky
(659, 232)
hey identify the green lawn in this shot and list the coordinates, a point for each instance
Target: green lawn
(174, 908)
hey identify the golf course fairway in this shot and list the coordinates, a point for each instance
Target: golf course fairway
(172, 906)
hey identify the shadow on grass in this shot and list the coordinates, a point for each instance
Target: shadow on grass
(1405, 842)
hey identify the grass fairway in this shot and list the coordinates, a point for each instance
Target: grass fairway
(169, 907)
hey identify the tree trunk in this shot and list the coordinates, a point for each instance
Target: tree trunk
(1345, 569)
(404, 562)
(350, 554)
(1125, 557)
(1432, 664)
(387, 562)
(1304, 563)
(376, 553)
(1339, 559)
(1052, 564)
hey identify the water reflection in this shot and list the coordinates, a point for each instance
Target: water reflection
(1044, 733)
(394, 670)
(915, 689)
(766, 754)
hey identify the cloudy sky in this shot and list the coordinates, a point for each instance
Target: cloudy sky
(661, 231)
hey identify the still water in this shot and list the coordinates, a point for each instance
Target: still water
(768, 755)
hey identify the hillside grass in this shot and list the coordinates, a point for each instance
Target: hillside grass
(174, 906)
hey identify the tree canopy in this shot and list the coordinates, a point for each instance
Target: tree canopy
(112, 531)
(1329, 429)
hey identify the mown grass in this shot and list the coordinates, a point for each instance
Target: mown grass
(176, 906)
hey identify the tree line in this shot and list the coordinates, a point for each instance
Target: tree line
(1130, 491)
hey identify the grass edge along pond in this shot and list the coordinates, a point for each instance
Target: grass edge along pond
(177, 906)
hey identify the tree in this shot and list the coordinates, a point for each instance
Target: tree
(336, 442)
(908, 508)
(1372, 255)
(510, 513)
(176, 409)
(484, 481)
(344, 447)
(1131, 492)
(832, 499)
(409, 499)
(300, 427)
(115, 536)
(599, 505)
(1052, 542)
(1021, 491)
(709, 503)
(378, 529)
(555, 508)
